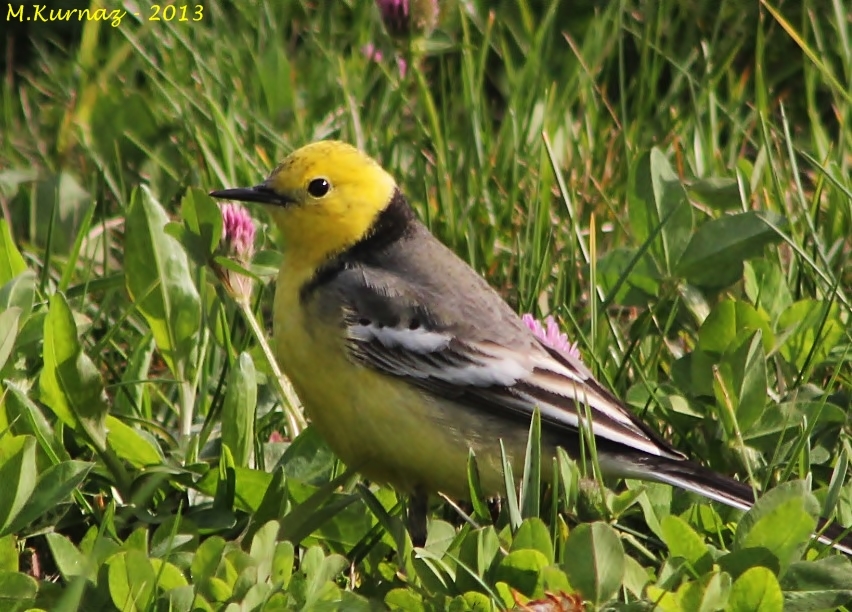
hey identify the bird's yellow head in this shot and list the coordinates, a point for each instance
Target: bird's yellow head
(323, 197)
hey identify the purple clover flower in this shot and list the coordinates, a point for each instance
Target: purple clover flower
(237, 232)
(550, 334)
(238, 244)
(395, 15)
(405, 17)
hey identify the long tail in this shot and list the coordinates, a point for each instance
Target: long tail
(696, 478)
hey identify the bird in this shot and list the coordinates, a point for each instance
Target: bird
(406, 359)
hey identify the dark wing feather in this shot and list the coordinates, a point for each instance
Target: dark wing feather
(390, 330)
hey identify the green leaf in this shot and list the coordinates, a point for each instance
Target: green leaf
(481, 514)
(506, 594)
(716, 252)
(54, 486)
(232, 265)
(476, 602)
(731, 323)
(756, 590)
(216, 315)
(69, 561)
(719, 193)
(780, 417)
(254, 598)
(636, 577)
(683, 541)
(175, 540)
(250, 486)
(159, 281)
(664, 601)
(97, 545)
(62, 195)
(8, 553)
(137, 540)
(19, 292)
(18, 475)
(623, 501)
(8, 333)
(263, 549)
(439, 537)
(266, 263)
(11, 261)
(742, 384)
(766, 287)
(477, 551)
(272, 505)
(598, 577)
(283, 561)
(627, 280)
(70, 384)
(168, 575)
(404, 599)
(226, 487)
(207, 558)
(531, 480)
(130, 396)
(20, 405)
(184, 599)
(695, 301)
(534, 534)
(693, 373)
(522, 570)
(781, 521)
(707, 595)
(655, 504)
(737, 562)
(810, 329)
(749, 364)
(320, 572)
(569, 476)
(17, 591)
(218, 590)
(131, 580)
(202, 220)
(660, 213)
(824, 584)
(515, 518)
(132, 445)
(238, 410)
(308, 458)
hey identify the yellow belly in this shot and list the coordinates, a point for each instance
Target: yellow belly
(386, 429)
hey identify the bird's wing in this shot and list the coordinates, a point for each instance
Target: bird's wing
(504, 369)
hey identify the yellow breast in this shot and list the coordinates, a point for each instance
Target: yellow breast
(380, 425)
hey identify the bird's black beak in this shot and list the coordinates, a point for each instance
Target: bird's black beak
(259, 193)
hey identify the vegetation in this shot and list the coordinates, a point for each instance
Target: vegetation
(670, 180)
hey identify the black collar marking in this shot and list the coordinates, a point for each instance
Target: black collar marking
(392, 224)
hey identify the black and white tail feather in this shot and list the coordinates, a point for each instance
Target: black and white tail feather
(392, 327)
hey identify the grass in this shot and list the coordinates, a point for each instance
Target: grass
(670, 180)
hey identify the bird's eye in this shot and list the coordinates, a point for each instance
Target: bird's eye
(318, 187)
